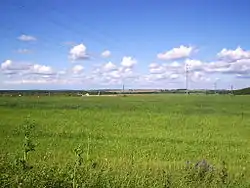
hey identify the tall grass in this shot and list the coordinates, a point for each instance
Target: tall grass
(134, 141)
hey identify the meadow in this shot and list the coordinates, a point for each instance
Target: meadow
(134, 141)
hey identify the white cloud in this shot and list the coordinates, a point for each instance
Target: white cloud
(163, 73)
(193, 64)
(78, 52)
(157, 69)
(217, 66)
(62, 72)
(77, 69)
(232, 62)
(10, 67)
(176, 53)
(109, 66)
(23, 51)
(174, 76)
(128, 62)
(197, 76)
(243, 76)
(28, 81)
(175, 64)
(175, 72)
(161, 80)
(106, 54)
(236, 67)
(27, 38)
(6, 64)
(153, 65)
(40, 69)
(112, 74)
(167, 68)
(232, 55)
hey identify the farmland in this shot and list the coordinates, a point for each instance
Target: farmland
(133, 141)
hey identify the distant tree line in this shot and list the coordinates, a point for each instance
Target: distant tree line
(244, 91)
(51, 92)
(112, 92)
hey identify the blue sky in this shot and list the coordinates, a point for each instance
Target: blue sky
(54, 44)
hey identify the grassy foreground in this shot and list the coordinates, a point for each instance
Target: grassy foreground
(134, 141)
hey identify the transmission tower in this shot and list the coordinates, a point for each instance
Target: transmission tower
(232, 89)
(215, 87)
(187, 77)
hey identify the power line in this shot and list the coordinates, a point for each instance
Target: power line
(101, 37)
(92, 33)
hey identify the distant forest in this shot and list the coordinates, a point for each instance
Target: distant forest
(244, 91)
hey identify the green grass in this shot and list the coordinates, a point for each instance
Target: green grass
(131, 139)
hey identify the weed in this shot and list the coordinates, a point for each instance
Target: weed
(78, 162)
(224, 173)
(28, 146)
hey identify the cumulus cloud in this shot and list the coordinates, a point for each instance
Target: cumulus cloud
(175, 64)
(109, 73)
(29, 81)
(10, 67)
(106, 54)
(77, 69)
(40, 69)
(167, 68)
(174, 76)
(241, 66)
(157, 69)
(153, 65)
(128, 62)
(198, 76)
(235, 67)
(78, 52)
(233, 55)
(159, 80)
(27, 38)
(193, 64)
(109, 66)
(243, 76)
(6, 64)
(62, 72)
(176, 53)
(176, 71)
(163, 72)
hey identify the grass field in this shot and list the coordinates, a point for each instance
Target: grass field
(134, 141)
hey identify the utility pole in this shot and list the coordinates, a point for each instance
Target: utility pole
(215, 87)
(232, 88)
(187, 74)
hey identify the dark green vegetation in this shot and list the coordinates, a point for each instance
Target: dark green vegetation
(245, 91)
(105, 92)
(134, 141)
